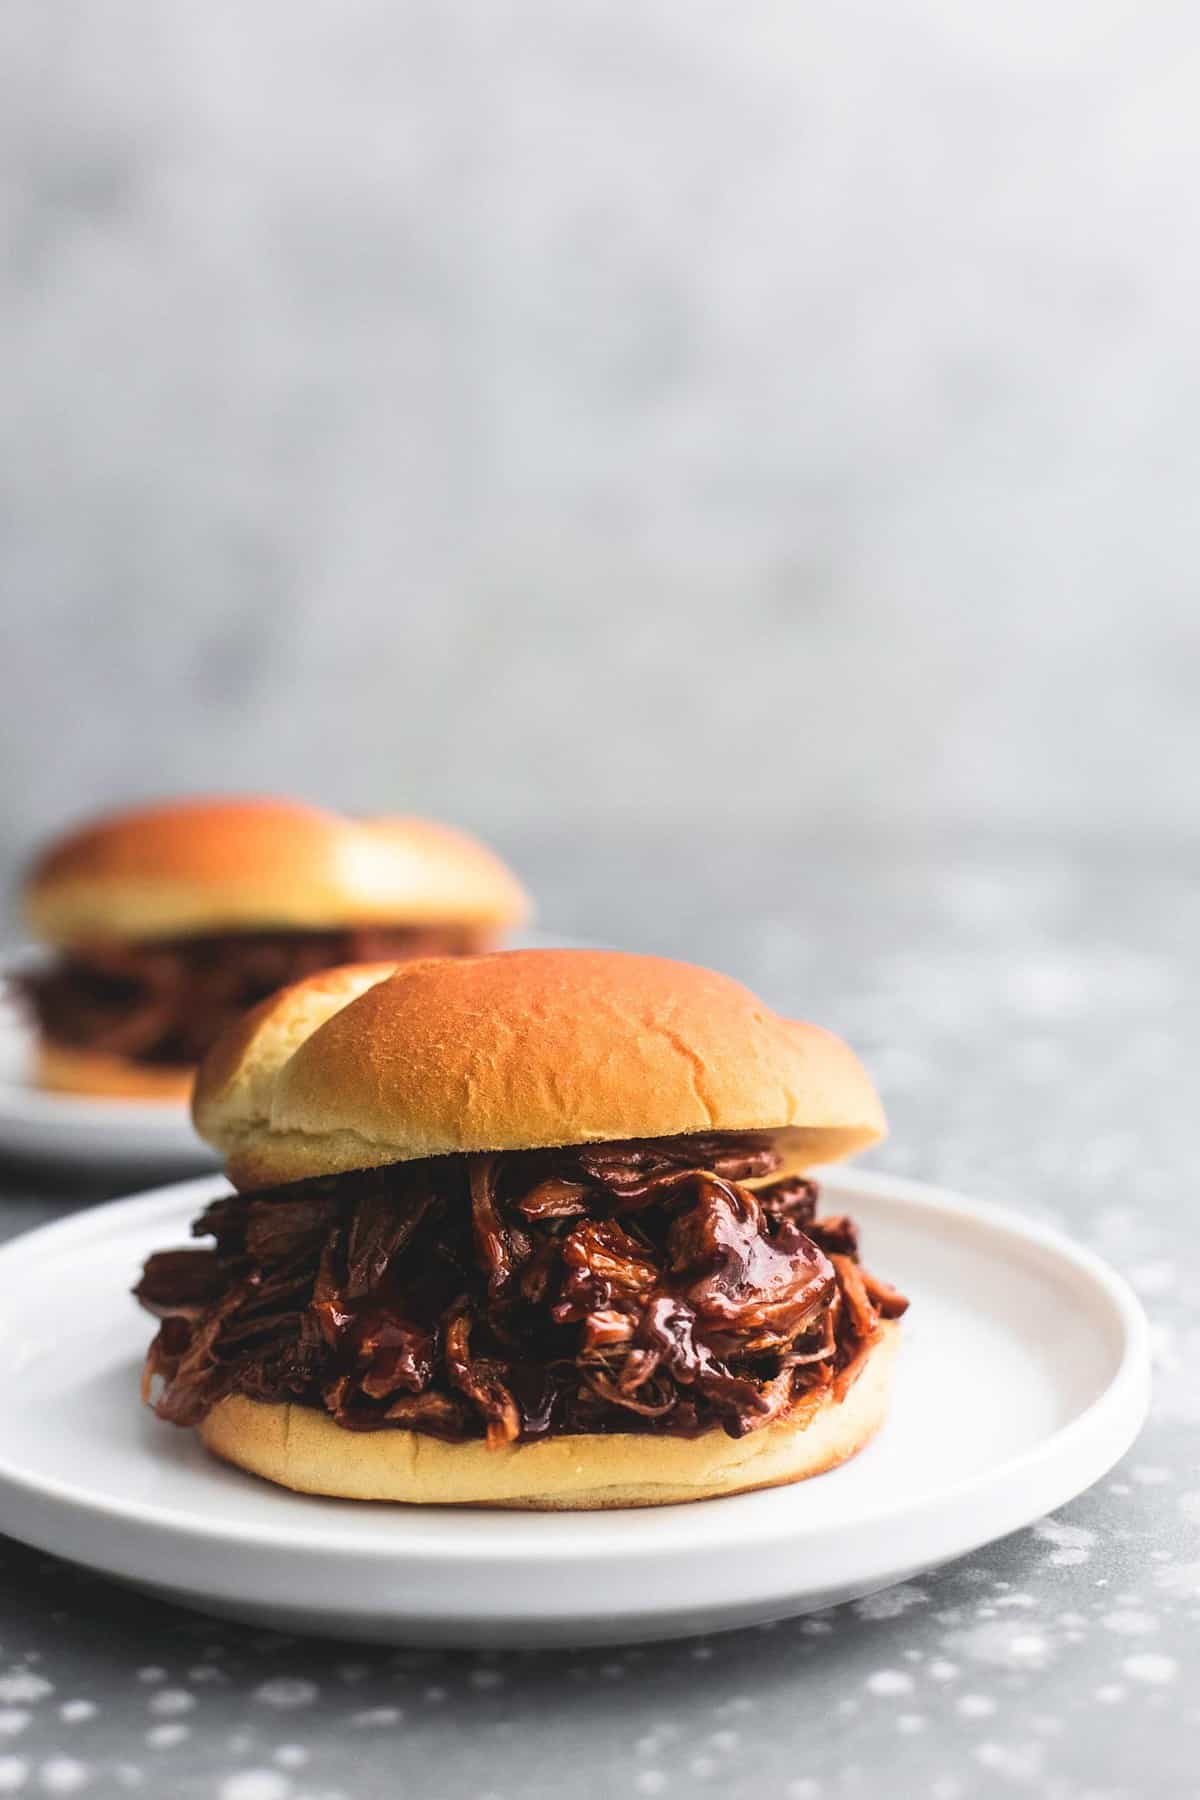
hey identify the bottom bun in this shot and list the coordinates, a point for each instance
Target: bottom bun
(67, 1071)
(301, 1448)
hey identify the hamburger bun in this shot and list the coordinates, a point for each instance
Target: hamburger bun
(196, 867)
(64, 1070)
(301, 1448)
(526, 1049)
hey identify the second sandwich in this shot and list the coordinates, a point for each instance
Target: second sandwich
(170, 921)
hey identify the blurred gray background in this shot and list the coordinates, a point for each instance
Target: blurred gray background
(580, 420)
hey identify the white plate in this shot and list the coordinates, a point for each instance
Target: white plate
(1023, 1377)
(145, 1137)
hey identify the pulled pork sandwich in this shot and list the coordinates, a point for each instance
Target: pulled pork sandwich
(169, 922)
(525, 1230)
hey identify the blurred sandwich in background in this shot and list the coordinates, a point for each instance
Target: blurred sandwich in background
(167, 922)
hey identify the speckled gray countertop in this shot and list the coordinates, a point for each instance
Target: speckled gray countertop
(1031, 1018)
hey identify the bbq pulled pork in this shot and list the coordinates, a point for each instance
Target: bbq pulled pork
(638, 1286)
(166, 1000)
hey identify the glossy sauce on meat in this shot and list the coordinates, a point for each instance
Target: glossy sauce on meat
(640, 1286)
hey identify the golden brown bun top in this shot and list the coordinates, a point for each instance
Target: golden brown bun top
(199, 866)
(363, 1066)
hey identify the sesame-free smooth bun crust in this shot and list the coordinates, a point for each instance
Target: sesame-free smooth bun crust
(211, 865)
(301, 1448)
(520, 1050)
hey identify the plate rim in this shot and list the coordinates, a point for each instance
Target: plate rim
(1097, 1435)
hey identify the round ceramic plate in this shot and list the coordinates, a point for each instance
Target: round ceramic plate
(146, 1137)
(1023, 1376)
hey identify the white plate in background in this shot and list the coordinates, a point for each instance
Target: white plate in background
(1023, 1376)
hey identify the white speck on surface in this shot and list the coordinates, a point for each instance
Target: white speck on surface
(725, 1741)
(1020, 1600)
(286, 1691)
(206, 1672)
(20, 1687)
(650, 1781)
(1129, 1623)
(377, 1716)
(1180, 1578)
(1019, 1762)
(435, 1695)
(63, 1775)
(13, 1721)
(165, 1737)
(1149, 1667)
(892, 1602)
(1151, 1475)
(291, 1756)
(1110, 1693)
(976, 1706)
(77, 1712)
(1006, 1643)
(888, 1682)
(816, 1627)
(170, 1701)
(941, 1670)
(701, 1652)
(255, 1784)
(152, 1672)
(1072, 1544)
(13, 1770)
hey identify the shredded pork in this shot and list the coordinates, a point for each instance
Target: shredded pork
(165, 1001)
(640, 1286)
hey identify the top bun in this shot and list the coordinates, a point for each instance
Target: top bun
(194, 867)
(358, 1067)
